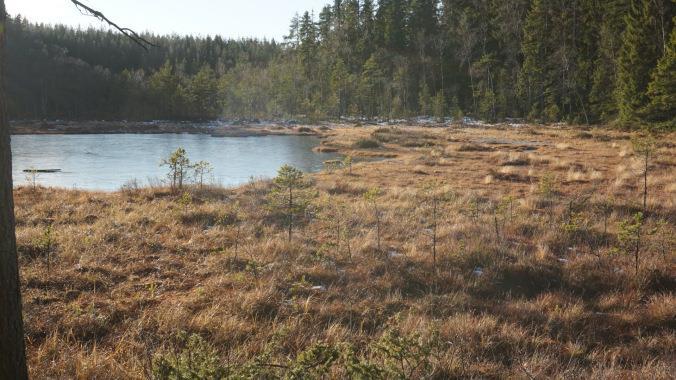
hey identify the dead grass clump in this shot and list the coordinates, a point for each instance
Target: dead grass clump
(522, 279)
(341, 187)
(34, 250)
(305, 130)
(657, 279)
(421, 170)
(440, 306)
(200, 218)
(473, 148)
(660, 311)
(470, 334)
(516, 161)
(576, 175)
(386, 130)
(326, 149)
(589, 277)
(404, 138)
(262, 303)
(508, 175)
(531, 131)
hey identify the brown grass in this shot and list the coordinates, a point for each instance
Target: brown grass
(122, 273)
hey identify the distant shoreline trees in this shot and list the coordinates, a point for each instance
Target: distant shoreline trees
(576, 61)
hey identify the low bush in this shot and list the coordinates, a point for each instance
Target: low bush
(367, 144)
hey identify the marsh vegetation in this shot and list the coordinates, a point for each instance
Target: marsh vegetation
(508, 259)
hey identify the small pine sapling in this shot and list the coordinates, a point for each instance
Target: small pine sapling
(178, 164)
(32, 178)
(202, 170)
(347, 163)
(644, 147)
(288, 182)
(629, 236)
(372, 196)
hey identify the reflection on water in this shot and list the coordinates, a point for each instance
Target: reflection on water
(106, 162)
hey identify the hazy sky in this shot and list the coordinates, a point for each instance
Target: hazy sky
(229, 18)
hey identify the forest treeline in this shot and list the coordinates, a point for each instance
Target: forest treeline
(577, 61)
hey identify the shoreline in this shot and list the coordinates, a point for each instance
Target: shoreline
(212, 128)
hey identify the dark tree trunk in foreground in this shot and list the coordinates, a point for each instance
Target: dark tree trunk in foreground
(12, 352)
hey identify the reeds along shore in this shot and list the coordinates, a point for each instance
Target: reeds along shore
(504, 252)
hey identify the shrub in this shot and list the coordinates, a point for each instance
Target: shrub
(367, 144)
(196, 360)
(41, 246)
(130, 186)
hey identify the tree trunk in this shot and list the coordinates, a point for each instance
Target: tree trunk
(637, 250)
(378, 225)
(645, 183)
(12, 352)
(290, 212)
(434, 234)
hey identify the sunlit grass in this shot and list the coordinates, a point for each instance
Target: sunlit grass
(529, 280)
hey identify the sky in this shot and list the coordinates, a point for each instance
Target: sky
(228, 18)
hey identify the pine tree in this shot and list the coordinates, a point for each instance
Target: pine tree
(603, 106)
(203, 91)
(165, 88)
(424, 99)
(368, 29)
(662, 88)
(370, 87)
(638, 56)
(339, 88)
(293, 38)
(324, 24)
(440, 106)
(308, 44)
(533, 72)
(287, 194)
(394, 13)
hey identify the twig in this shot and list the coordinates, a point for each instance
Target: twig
(132, 35)
(525, 370)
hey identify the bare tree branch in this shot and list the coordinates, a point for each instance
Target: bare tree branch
(142, 42)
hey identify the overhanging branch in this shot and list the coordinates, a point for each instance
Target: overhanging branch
(132, 35)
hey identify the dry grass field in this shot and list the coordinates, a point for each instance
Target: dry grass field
(505, 252)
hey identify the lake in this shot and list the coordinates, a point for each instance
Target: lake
(106, 162)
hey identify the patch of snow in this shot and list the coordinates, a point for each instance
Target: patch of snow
(394, 254)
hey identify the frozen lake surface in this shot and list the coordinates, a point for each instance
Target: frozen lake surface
(107, 161)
